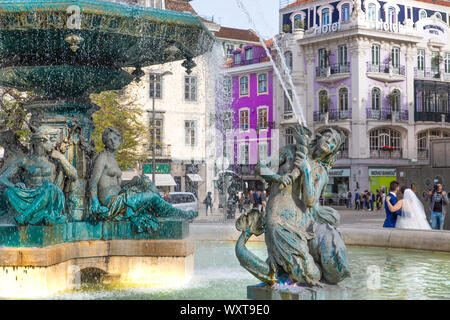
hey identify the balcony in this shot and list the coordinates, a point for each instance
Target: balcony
(387, 115)
(432, 116)
(250, 61)
(333, 73)
(386, 72)
(382, 154)
(244, 169)
(333, 115)
(161, 151)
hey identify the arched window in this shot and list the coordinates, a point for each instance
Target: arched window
(438, 15)
(298, 22)
(395, 100)
(423, 141)
(422, 14)
(376, 99)
(288, 58)
(372, 12)
(421, 60)
(345, 12)
(323, 101)
(243, 86)
(384, 139)
(343, 100)
(325, 16)
(392, 18)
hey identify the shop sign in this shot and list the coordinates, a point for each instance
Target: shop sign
(382, 172)
(339, 173)
(386, 26)
(328, 28)
(161, 168)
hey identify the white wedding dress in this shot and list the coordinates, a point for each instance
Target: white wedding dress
(413, 214)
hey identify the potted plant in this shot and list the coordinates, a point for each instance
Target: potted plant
(299, 24)
(387, 148)
(287, 28)
(435, 64)
(324, 103)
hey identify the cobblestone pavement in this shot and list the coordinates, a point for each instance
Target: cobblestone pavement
(363, 218)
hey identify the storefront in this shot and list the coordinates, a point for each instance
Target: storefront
(338, 186)
(381, 178)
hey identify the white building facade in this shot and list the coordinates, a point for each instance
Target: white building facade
(380, 71)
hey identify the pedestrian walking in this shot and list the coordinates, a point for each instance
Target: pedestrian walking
(208, 203)
(349, 199)
(241, 203)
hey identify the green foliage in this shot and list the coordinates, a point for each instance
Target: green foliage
(286, 28)
(12, 113)
(127, 119)
(299, 24)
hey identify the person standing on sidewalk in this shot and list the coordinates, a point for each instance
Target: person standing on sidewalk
(357, 200)
(241, 202)
(438, 200)
(208, 203)
(349, 199)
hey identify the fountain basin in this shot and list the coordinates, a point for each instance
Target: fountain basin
(40, 272)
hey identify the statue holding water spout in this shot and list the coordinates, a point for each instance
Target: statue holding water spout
(303, 245)
(138, 201)
(33, 194)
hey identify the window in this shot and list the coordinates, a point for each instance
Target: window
(262, 83)
(384, 137)
(372, 12)
(345, 12)
(156, 128)
(323, 59)
(376, 99)
(325, 16)
(375, 55)
(157, 4)
(190, 88)
(262, 118)
(298, 22)
(423, 139)
(343, 59)
(421, 60)
(263, 151)
(249, 54)
(422, 14)
(244, 154)
(237, 58)
(392, 18)
(288, 58)
(227, 91)
(190, 127)
(287, 103)
(155, 85)
(289, 136)
(229, 48)
(343, 99)
(395, 56)
(438, 15)
(435, 62)
(243, 86)
(244, 120)
(442, 102)
(323, 101)
(447, 63)
(395, 102)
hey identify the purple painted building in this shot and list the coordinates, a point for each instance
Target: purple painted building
(251, 78)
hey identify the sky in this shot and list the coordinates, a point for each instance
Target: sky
(228, 14)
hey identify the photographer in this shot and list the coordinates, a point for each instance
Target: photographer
(438, 200)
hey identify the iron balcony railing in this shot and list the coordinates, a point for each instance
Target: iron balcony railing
(431, 116)
(332, 115)
(250, 61)
(244, 168)
(429, 73)
(386, 68)
(387, 115)
(161, 151)
(386, 154)
(333, 69)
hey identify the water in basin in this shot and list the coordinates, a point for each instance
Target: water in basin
(377, 273)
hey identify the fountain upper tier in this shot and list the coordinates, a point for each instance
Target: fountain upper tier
(37, 36)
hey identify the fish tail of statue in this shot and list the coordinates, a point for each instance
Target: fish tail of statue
(250, 224)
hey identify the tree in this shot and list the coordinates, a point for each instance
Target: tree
(117, 112)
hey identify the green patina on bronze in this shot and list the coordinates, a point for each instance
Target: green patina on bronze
(45, 50)
(303, 244)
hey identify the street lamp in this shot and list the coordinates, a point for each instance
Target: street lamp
(161, 75)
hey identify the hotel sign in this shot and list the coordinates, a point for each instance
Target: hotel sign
(328, 28)
(386, 26)
(382, 172)
(433, 29)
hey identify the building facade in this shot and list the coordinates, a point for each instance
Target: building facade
(380, 71)
(251, 80)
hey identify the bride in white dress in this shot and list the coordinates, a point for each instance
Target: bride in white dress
(413, 214)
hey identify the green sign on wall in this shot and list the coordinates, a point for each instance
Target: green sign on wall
(161, 168)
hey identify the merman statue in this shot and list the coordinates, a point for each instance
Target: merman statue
(32, 181)
(139, 201)
(303, 244)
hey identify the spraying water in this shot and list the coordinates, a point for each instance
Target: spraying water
(298, 112)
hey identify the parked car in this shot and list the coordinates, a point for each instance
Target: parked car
(184, 201)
